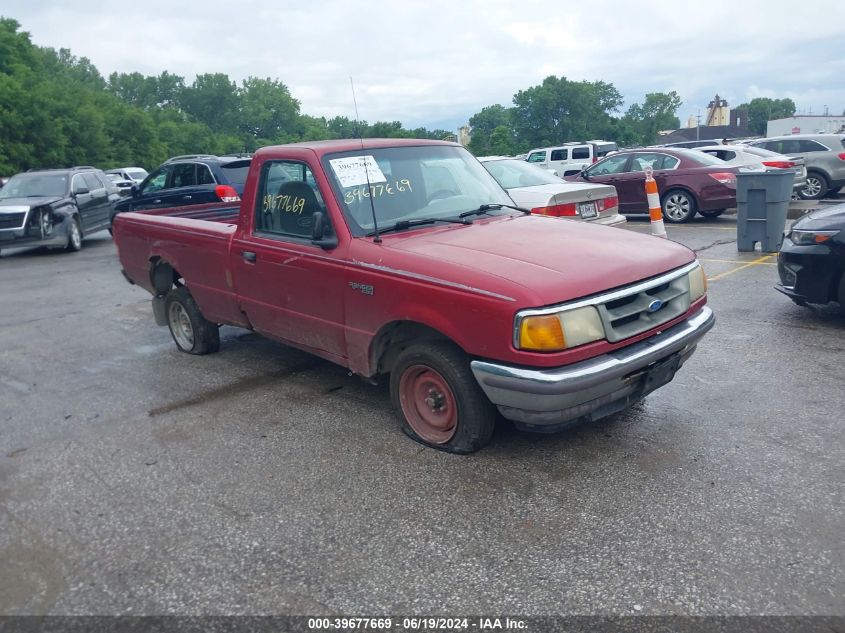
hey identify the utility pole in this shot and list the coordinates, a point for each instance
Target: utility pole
(698, 126)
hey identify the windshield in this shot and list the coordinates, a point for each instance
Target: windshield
(32, 185)
(410, 183)
(517, 173)
(236, 172)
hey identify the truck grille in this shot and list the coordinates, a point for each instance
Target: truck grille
(12, 220)
(637, 312)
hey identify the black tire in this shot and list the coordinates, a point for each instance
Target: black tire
(191, 331)
(74, 236)
(678, 206)
(815, 188)
(713, 213)
(462, 399)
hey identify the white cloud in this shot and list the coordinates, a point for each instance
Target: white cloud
(421, 62)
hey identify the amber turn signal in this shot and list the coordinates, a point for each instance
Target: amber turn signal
(541, 334)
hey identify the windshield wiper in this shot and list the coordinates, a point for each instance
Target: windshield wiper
(484, 208)
(401, 225)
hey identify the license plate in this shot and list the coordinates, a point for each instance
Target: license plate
(661, 373)
(587, 210)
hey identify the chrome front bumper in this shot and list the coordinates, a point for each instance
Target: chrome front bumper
(550, 399)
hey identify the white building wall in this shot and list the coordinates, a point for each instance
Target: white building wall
(805, 125)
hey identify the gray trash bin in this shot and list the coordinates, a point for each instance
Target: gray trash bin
(762, 201)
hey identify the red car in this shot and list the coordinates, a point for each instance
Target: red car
(688, 181)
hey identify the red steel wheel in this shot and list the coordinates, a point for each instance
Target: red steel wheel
(428, 404)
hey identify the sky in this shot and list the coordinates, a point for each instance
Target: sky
(435, 63)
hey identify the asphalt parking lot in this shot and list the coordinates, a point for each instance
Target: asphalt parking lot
(138, 480)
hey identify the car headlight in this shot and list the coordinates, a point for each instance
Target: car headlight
(808, 238)
(558, 331)
(697, 283)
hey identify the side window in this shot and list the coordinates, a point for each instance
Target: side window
(204, 176)
(78, 183)
(287, 199)
(727, 155)
(183, 175)
(155, 181)
(613, 165)
(560, 154)
(810, 146)
(537, 157)
(648, 159)
(580, 153)
(92, 181)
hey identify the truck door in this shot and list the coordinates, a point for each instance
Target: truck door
(289, 288)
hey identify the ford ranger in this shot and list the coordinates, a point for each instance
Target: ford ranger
(405, 258)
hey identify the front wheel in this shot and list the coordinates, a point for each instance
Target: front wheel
(678, 206)
(440, 402)
(815, 187)
(191, 331)
(74, 236)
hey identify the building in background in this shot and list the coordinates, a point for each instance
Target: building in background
(463, 135)
(806, 124)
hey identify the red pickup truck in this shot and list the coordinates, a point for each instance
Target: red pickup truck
(405, 257)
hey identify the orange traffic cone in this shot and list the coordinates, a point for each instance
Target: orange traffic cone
(655, 211)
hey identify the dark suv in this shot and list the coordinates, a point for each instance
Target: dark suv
(187, 180)
(55, 207)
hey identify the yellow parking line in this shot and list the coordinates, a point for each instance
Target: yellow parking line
(756, 262)
(735, 261)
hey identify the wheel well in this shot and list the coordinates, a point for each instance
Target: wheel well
(819, 172)
(163, 276)
(395, 337)
(679, 188)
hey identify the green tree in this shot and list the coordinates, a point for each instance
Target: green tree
(213, 99)
(482, 125)
(268, 111)
(657, 112)
(560, 110)
(761, 110)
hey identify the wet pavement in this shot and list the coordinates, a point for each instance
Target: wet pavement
(135, 479)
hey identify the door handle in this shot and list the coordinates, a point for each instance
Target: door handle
(157, 201)
(249, 257)
(186, 197)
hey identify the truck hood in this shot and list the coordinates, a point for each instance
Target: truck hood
(545, 260)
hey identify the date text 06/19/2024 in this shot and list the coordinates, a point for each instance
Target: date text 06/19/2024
(416, 624)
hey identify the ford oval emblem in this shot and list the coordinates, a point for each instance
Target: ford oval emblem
(655, 305)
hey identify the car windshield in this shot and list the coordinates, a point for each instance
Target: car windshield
(410, 183)
(32, 185)
(517, 173)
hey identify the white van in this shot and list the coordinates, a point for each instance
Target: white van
(570, 158)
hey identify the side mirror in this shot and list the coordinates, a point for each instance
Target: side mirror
(321, 233)
(134, 190)
(80, 191)
(584, 174)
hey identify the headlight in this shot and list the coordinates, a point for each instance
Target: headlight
(559, 331)
(697, 283)
(808, 238)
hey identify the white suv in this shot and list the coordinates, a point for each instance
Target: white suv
(570, 158)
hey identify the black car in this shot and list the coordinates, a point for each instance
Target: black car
(55, 207)
(811, 263)
(187, 180)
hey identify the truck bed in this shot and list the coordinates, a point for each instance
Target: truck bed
(194, 240)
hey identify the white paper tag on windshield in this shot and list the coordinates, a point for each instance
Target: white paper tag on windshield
(353, 171)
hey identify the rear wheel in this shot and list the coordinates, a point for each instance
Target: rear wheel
(191, 331)
(678, 206)
(440, 402)
(74, 236)
(815, 187)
